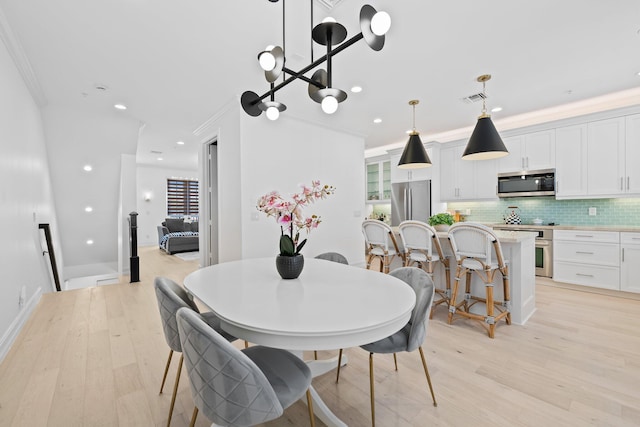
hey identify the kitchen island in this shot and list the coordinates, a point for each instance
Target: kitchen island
(518, 248)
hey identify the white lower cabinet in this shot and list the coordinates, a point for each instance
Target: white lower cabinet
(629, 261)
(590, 258)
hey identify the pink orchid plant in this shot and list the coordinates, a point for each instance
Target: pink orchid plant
(288, 213)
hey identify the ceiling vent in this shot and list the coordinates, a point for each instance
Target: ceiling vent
(474, 98)
(328, 4)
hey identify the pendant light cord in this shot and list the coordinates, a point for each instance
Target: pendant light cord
(484, 97)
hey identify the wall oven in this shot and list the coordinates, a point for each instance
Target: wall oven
(544, 249)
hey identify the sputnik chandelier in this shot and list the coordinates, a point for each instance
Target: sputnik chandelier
(373, 25)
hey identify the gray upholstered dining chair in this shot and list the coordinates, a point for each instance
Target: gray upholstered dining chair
(422, 247)
(333, 256)
(239, 387)
(477, 249)
(171, 297)
(414, 332)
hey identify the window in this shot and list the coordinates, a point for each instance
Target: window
(182, 197)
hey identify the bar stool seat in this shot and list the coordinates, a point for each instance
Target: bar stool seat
(477, 249)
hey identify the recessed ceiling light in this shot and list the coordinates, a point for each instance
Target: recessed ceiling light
(496, 109)
(638, 73)
(87, 168)
(88, 209)
(180, 142)
(120, 107)
(89, 242)
(160, 159)
(356, 89)
(377, 120)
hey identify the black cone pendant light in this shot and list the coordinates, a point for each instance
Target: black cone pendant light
(485, 143)
(414, 155)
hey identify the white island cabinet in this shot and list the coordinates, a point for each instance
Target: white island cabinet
(518, 248)
(629, 261)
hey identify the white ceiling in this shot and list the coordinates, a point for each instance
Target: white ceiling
(175, 64)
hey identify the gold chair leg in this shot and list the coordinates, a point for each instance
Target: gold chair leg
(339, 363)
(175, 390)
(373, 399)
(426, 372)
(166, 370)
(315, 355)
(194, 416)
(246, 344)
(395, 360)
(310, 405)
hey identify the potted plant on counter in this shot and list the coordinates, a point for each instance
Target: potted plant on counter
(441, 221)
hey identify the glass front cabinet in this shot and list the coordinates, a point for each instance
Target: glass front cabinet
(378, 181)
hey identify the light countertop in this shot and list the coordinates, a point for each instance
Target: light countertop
(627, 228)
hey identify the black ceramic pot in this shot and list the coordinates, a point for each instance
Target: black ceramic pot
(289, 267)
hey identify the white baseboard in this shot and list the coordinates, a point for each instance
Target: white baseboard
(16, 326)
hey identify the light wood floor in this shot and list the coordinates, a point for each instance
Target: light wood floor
(94, 357)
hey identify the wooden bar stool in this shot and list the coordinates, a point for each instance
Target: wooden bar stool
(422, 247)
(474, 246)
(380, 243)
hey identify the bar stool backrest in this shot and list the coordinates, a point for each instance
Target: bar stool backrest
(378, 234)
(472, 240)
(421, 236)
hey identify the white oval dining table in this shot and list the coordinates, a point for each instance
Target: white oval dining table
(330, 306)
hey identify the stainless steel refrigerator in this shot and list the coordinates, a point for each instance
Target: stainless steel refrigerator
(410, 200)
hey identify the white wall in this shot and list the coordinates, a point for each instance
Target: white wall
(75, 138)
(152, 180)
(26, 199)
(284, 154)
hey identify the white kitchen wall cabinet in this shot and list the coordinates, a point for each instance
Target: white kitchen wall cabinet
(571, 161)
(629, 261)
(378, 180)
(632, 154)
(590, 258)
(466, 179)
(456, 175)
(406, 175)
(605, 157)
(531, 151)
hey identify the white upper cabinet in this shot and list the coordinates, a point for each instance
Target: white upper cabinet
(571, 161)
(466, 179)
(531, 151)
(632, 154)
(406, 175)
(605, 157)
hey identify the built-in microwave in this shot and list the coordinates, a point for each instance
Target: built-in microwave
(527, 183)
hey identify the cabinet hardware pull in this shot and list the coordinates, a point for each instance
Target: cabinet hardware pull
(621, 185)
(622, 254)
(583, 252)
(584, 235)
(635, 238)
(628, 187)
(585, 275)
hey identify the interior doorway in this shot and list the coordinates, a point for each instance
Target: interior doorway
(210, 203)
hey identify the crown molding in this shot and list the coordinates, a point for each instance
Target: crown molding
(14, 47)
(211, 123)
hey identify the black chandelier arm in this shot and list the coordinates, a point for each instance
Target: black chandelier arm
(316, 63)
(303, 77)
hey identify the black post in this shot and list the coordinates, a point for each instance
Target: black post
(134, 261)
